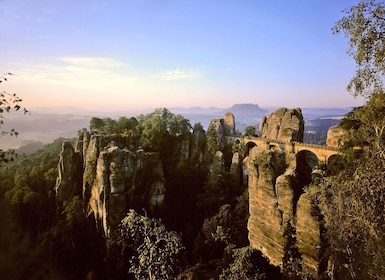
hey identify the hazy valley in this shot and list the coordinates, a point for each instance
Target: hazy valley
(44, 125)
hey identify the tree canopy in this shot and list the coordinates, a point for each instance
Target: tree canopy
(352, 201)
(146, 248)
(364, 26)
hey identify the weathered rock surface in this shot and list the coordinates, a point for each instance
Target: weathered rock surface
(218, 127)
(198, 143)
(110, 179)
(334, 137)
(228, 124)
(113, 179)
(70, 169)
(223, 127)
(276, 204)
(218, 161)
(235, 163)
(265, 221)
(283, 125)
(308, 235)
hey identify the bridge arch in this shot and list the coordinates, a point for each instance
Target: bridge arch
(306, 161)
(249, 146)
(322, 153)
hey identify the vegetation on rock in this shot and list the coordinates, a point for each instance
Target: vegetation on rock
(201, 232)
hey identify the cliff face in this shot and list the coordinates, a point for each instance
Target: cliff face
(110, 179)
(283, 125)
(113, 179)
(281, 222)
(265, 221)
(334, 137)
(70, 172)
(224, 127)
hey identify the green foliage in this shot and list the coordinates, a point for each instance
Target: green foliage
(244, 266)
(145, 249)
(96, 124)
(8, 102)
(27, 185)
(159, 125)
(364, 26)
(352, 202)
(372, 115)
(72, 241)
(212, 145)
(220, 188)
(353, 206)
(51, 241)
(292, 261)
(250, 130)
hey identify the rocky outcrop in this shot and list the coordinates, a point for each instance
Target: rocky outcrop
(198, 144)
(265, 221)
(308, 234)
(113, 179)
(70, 169)
(223, 127)
(283, 125)
(334, 137)
(216, 124)
(228, 124)
(281, 218)
(110, 179)
(218, 161)
(235, 164)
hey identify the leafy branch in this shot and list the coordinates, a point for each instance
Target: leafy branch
(8, 102)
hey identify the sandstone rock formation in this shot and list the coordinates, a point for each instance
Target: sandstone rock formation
(308, 234)
(218, 127)
(265, 221)
(278, 205)
(110, 179)
(70, 169)
(218, 161)
(198, 144)
(228, 124)
(334, 136)
(223, 127)
(235, 163)
(283, 125)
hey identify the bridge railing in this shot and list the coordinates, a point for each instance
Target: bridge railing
(296, 143)
(273, 141)
(324, 147)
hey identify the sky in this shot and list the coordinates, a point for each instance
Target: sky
(136, 54)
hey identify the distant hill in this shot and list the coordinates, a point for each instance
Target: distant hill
(29, 146)
(247, 109)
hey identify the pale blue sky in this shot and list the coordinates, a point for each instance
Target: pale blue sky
(167, 53)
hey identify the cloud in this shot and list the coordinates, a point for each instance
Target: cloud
(86, 73)
(180, 74)
(92, 62)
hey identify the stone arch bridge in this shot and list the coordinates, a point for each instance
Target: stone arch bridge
(324, 154)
